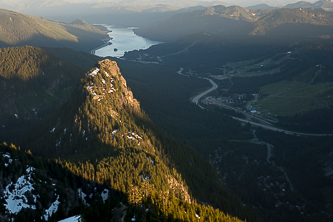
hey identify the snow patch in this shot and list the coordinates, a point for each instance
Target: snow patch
(6, 155)
(16, 199)
(53, 208)
(105, 195)
(93, 73)
(72, 219)
(82, 195)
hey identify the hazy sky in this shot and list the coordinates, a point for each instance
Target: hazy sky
(183, 3)
(236, 2)
(268, 2)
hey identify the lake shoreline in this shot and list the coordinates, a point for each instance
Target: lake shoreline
(123, 39)
(106, 43)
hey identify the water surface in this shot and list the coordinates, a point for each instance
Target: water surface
(123, 39)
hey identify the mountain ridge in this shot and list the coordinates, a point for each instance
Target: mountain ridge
(238, 22)
(102, 129)
(34, 83)
(20, 29)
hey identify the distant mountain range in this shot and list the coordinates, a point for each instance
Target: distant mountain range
(235, 21)
(20, 29)
(322, 4)
(130, 13)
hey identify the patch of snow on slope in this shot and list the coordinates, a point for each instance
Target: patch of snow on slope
(72, 219)
(14, 194)
(105, 195)
(53, 208)
(82, 196)
(7, 155)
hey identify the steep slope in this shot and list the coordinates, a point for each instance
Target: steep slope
(238, 22)
(322, 4)
(219, 20)
(28, 189)
(293, 23)
(304, 4)
(102, 135)
(35, 189)
(34, 83)
(19, 29)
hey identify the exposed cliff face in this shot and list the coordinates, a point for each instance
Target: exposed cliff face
(127, 96)
(95, 114)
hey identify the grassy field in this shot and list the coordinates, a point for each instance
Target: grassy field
(257, 67)
(303, 86)
(286, 98)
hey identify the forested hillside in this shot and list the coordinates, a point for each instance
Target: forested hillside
(18, 29)
(34, 83)
(102, 136)
(289, 76)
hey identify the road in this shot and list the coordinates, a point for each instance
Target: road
(261, 119)
(278, 129)
(265, 122)
(198, 97)
(106, 43)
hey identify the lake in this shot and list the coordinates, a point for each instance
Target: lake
(123, 40)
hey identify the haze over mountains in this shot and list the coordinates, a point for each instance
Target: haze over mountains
(138, 13)
(239, 102)
(19, 29)
(182, 3)
(241, 22)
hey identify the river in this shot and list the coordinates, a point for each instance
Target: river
(123, 40)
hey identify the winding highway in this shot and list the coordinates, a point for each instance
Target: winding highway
(267, 125)
(198, 97)
(278, 129)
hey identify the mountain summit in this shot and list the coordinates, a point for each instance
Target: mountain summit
(102, 136)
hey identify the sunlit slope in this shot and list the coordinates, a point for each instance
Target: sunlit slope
(102, 134)
(19, 29)
(238, 22)
(219, 20)
(293, 23)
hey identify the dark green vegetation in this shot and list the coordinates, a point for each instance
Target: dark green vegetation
(293, 82)
(34, 83)
(308, 163)
(241, 162)
(280, 188)
(19, 29)
(156, 90)
(292, 77)
(101, 136)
